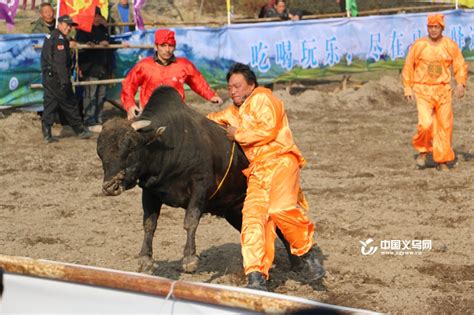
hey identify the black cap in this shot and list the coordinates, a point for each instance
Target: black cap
(67, 19)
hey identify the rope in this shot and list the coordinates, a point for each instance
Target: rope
(167, 298)
(170, 293)
(226, 172)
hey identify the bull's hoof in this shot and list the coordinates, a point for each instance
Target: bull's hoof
(190, 264)
(146, 265)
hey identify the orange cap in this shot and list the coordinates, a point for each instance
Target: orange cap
(165, 37)
(436, 19)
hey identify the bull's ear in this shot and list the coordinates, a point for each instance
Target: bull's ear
(140, 124)
(156, 135)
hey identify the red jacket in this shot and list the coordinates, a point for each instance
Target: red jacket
(148, 74)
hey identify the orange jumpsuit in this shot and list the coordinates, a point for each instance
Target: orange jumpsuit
(274, 197)
(426, 73)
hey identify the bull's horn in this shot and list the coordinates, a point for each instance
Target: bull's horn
(159, 131)
(156, 137)
(140, 124)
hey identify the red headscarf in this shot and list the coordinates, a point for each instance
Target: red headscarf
(165, 37)
(436, 19)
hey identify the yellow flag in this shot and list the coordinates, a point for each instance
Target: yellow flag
(104, 8)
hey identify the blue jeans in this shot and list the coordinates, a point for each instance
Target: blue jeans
(94, 98)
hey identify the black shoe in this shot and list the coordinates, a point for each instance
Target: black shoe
(256, 280)
(85, 134)
(51, 139)
(47, 134)
(312, 268)
(82, 132)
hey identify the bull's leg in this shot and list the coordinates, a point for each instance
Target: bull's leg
(234, 217)
(151, 211)
(191, 222)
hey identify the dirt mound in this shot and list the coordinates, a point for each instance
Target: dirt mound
(19, 127)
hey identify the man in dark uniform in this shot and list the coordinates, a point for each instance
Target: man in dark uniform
(56, 64)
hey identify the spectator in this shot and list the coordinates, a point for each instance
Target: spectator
(348, 7)
(427, 78)
(283, 12)
(264, 9)
(342, 5)
(121, 12)
(46, 23)
(56, 64)
(163, 69)
(95, 64)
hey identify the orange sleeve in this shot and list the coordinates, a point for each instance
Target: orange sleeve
(408, 71)
(260, 124)
(225, 117)
(459, 65)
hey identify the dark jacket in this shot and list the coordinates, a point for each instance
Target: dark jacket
(95, 62)
(285, 15)
(56, 60)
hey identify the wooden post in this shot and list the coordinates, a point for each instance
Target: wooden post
(77, 63)
(361, 13)
(83, 83)
(200, 9)
(228, 11)
(112, 46)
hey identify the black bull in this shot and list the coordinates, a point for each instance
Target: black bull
(179, 158)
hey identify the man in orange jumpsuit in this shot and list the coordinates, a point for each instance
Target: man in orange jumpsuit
(258, 123)
(163, 69)
(426, 76)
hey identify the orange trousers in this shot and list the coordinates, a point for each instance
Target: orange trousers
(435, 121)
(273, 195)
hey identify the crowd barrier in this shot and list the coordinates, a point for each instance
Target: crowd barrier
(275, 50)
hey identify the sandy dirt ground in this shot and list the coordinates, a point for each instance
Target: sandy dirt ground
(360, 180)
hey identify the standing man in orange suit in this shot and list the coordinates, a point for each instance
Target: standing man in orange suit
(258, 123)
(426, 77)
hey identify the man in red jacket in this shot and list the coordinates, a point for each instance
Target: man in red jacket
(163, 69)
